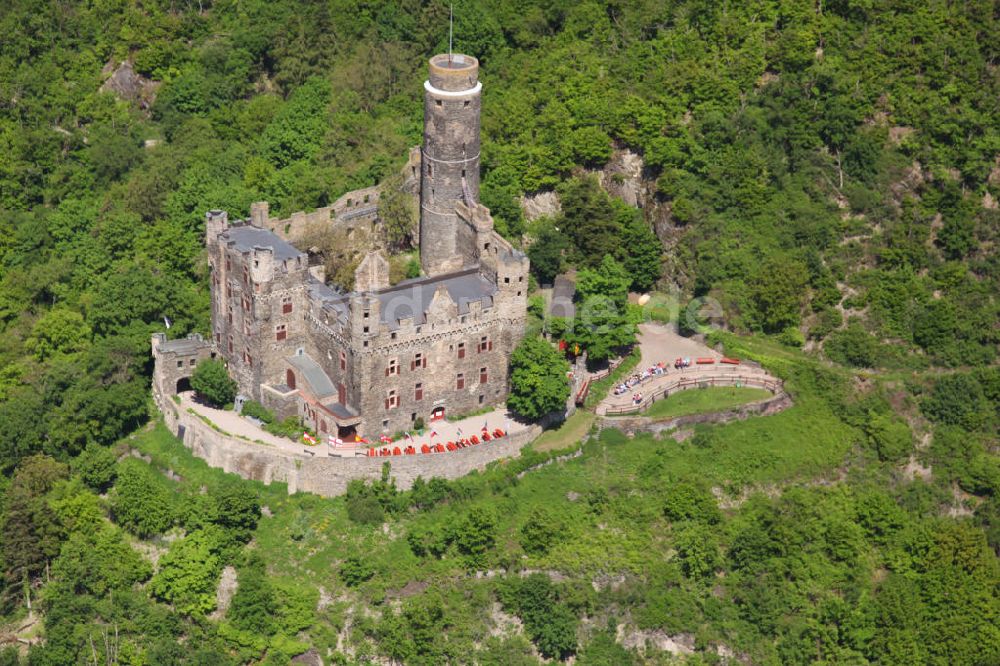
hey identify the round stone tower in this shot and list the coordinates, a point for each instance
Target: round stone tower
(449, 159)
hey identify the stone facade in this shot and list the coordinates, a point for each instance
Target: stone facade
(377, 358)
(322, 474)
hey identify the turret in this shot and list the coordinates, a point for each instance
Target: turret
(216, 222)
(449, 159)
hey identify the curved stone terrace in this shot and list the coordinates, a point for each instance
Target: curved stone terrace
(660, 344)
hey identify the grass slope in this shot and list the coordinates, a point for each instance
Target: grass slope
(701, 401)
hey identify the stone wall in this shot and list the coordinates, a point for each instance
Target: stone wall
(323, 475)
(777, 403)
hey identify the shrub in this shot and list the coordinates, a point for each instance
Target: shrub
(212, 382)
(255, 410)
(540, 531)
(96, 466)
(957, 400)
(355, 571)
(852, 346)
(140, 500)
(689, 501)
(890, 437)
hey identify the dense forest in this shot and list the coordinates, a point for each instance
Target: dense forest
(828, 172)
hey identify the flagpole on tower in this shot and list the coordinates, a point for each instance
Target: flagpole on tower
(451, 29)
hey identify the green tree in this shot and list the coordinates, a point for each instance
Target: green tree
(237, 509)
(540, 531)
(96, 466)
(546, 253)
(212, 382)
(538, 384)
(58, 331)
(356, 570)
(140, 500)
(476, 535)
(254, 606)
(396, 212)
(31, 532)
(957, 400)
(890, 437)
(686, 500)
(189, 571)
(778, 290)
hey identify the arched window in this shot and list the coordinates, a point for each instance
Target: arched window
(290, 379)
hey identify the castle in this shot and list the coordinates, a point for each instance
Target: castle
(377, 358)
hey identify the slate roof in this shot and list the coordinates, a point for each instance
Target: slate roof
(314, 375)
(401, 301)
(246, 238)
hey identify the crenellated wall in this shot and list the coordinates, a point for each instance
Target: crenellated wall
(321, 474)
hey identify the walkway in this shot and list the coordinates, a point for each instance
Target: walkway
(234, 424)
(660, 343)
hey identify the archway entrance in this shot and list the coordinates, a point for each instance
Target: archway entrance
(290, 379)
(183, 384)
(437, 413)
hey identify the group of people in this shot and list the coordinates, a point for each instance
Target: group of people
(638, 378)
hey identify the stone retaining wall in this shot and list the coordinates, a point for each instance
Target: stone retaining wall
(777, 403)
(324, 475)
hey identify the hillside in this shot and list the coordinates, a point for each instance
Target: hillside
(825, 176)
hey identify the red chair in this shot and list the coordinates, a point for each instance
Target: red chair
(439, 448)
(486, 436)
(451, 446)
(425, 449)
(396, 451)
(409, 451)
(498, 433)
(474, 439)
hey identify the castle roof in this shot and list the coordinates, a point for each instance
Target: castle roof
(319, 382)
(411, 298)
(246, 238)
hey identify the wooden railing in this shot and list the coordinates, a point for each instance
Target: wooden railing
(684, 384)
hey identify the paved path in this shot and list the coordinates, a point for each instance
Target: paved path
(661, 343)
(447, 431)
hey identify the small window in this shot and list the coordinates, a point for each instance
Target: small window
(463, 173)
(460, 381)
(413, 416)
(418, 391)
(365, 329)
(461, 350)
(286, 305)
(393, 335)
(485, 344)
(482, 398)
(193, 362)
(385, 424)
(366, 314)
(230, 344)
(245, 302)
(229, 264)
(438, 102)
(419, 361)
(246, 327)
(343, 360)
(391, 399)
(392, 368)
(465, 104)
(247, 358)
(483, 376)
(506, 280)
(218, 338)
(180, 364)
(246, 275)
(280, 332)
